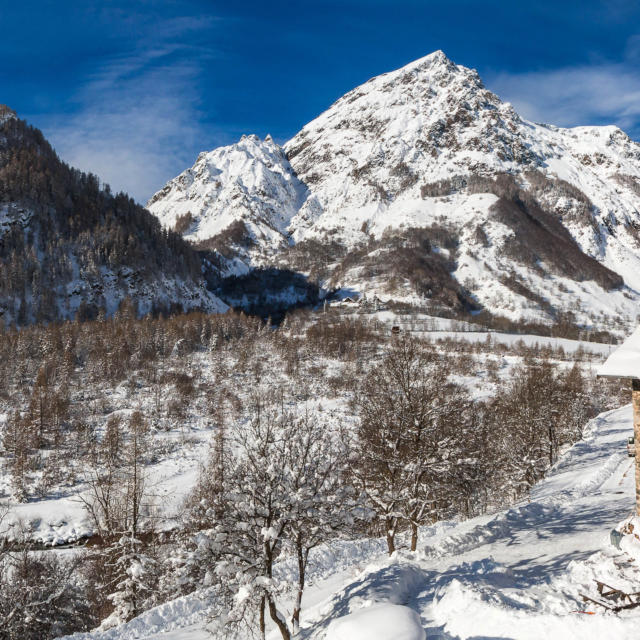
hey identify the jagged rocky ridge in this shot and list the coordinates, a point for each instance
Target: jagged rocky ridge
(71, 248)
(521, 219)
(248, 188)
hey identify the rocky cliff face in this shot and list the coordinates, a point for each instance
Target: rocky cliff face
(544, 219)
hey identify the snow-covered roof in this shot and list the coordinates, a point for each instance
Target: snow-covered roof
(624, 362)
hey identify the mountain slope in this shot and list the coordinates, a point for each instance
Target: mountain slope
(68, 246)
(541, 220)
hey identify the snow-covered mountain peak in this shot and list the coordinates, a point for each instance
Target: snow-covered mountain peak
(249, 182)
(434, 63)
(428, 120)
(365, 150)
(421, 85)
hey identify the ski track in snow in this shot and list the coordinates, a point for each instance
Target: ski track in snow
(516, 574)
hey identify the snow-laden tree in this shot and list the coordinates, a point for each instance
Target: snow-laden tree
(135, 572)
(42, 596)
(530, 423)
(116, 503)
(321, 503)
(534, 415)
(577, 405)
(276, 491)
(411, 420)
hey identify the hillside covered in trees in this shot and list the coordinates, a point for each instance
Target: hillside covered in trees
(68, 245)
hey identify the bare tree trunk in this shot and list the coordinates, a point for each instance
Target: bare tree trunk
(278, 619)
(263, 626)
(414, 536)
(276, 616)
(391, 535)
(297, 607)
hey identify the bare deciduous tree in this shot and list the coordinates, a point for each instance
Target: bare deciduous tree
(409, 415)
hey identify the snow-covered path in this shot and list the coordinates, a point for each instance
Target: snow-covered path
(516, 574)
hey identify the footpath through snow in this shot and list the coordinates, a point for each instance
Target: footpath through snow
(517, 574)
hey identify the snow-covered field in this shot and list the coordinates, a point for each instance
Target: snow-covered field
(516, 574)
(435, 329)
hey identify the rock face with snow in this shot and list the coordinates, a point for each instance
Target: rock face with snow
(429, 120)
(6, 113)
(544, 219)
(250, 183)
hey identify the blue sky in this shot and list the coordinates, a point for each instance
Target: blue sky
(133, 91)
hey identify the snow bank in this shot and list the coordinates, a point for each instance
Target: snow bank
(382, 622)
(464, 613)
(176, 614)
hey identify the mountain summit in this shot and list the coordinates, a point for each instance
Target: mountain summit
(250, 181)
(520, 219)
(431, 119)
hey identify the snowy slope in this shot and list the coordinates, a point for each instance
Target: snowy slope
(368, 164)
(516, 574)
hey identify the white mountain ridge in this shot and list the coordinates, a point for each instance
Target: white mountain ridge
(249, 181)
(361, 168)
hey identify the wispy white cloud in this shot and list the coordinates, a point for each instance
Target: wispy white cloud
(571, 96)
(136, 120)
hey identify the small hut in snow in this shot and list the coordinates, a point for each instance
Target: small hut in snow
(624, 363)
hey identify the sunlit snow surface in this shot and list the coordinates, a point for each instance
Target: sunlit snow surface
(515, 574)
(385, 621)
(624, 362)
